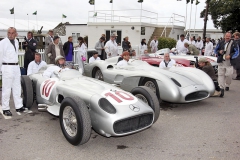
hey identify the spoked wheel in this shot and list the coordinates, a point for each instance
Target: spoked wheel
(75, 120)
(98, 75)
(26, 91)
(141, 97)
(149, 97)
(70, 121)
(150, 84)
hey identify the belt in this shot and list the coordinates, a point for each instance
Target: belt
(10, 63)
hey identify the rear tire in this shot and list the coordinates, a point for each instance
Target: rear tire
(27, 91)
(98, 75)
(75, 120)
(148, 96)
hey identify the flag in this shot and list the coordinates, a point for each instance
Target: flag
(111, 1)
(64, 16)
(91, 2)
(197, 2)
(95, 14)
(187, 1)
(12, 11)
(192, 1)
(35, 13)
(140, 1)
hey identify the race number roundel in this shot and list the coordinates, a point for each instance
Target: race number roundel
(46, 88)
(118, 97)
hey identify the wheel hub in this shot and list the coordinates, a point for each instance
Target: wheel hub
(142, 97)
(151, 85)
(70, 121)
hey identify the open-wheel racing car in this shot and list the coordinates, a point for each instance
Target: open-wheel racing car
(175, 85)
(82, 102)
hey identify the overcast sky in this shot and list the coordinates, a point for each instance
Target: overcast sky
(77, 10)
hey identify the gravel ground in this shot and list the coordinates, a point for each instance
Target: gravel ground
(203, 130)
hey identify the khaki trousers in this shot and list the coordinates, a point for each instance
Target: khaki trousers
(225, 75)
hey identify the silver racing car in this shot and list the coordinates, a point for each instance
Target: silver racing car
(175, 85)
(83, 102)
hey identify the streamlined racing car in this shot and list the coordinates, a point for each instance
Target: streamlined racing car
(190, 60)
(82, 102)
(175, 85)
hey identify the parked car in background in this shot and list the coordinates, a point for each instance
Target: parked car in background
(175, 85)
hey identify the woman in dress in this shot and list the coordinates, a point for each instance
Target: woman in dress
(81, 54)
(143, 46)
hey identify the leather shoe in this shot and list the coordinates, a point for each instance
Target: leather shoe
(7, 113)
(22, 109)
(227, 89)
(222, 93)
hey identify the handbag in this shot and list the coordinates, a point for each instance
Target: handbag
(83, 58)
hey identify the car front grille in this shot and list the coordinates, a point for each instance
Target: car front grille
(133, 123)
(196, 96)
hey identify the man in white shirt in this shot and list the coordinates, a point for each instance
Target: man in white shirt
(199, 45)
(94, 58)
(208, 47)
(192, 41)
(10, 72)
(111, 47)
(59, 66)
(35, 65)
(126, 57)
(180, 45)
(167, 62)
(154, 45)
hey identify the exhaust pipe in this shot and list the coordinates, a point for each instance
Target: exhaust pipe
(42, 107)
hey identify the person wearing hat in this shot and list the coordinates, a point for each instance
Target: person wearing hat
(100, 47)
(55, 49)
(48, 40)
(192, 49)
(125, 58)
(206, 66)
(111, 47)
(180, 45)
(59, 66)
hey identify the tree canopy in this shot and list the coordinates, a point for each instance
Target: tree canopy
(225, 14)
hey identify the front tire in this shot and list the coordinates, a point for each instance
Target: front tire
(75, 120)
(149, 97)
(152, 84)
(27, 91)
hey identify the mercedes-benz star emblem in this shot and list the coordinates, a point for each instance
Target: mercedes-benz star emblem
(134, 108)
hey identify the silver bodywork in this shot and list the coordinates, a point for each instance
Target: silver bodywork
(192, 80)
(51, 91)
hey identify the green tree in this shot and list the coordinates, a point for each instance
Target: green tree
(225, 14)
(165, 42)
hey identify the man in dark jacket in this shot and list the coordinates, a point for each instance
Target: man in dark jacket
(227, 51)
(30, 46)
(236, 64)
(68, 49)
